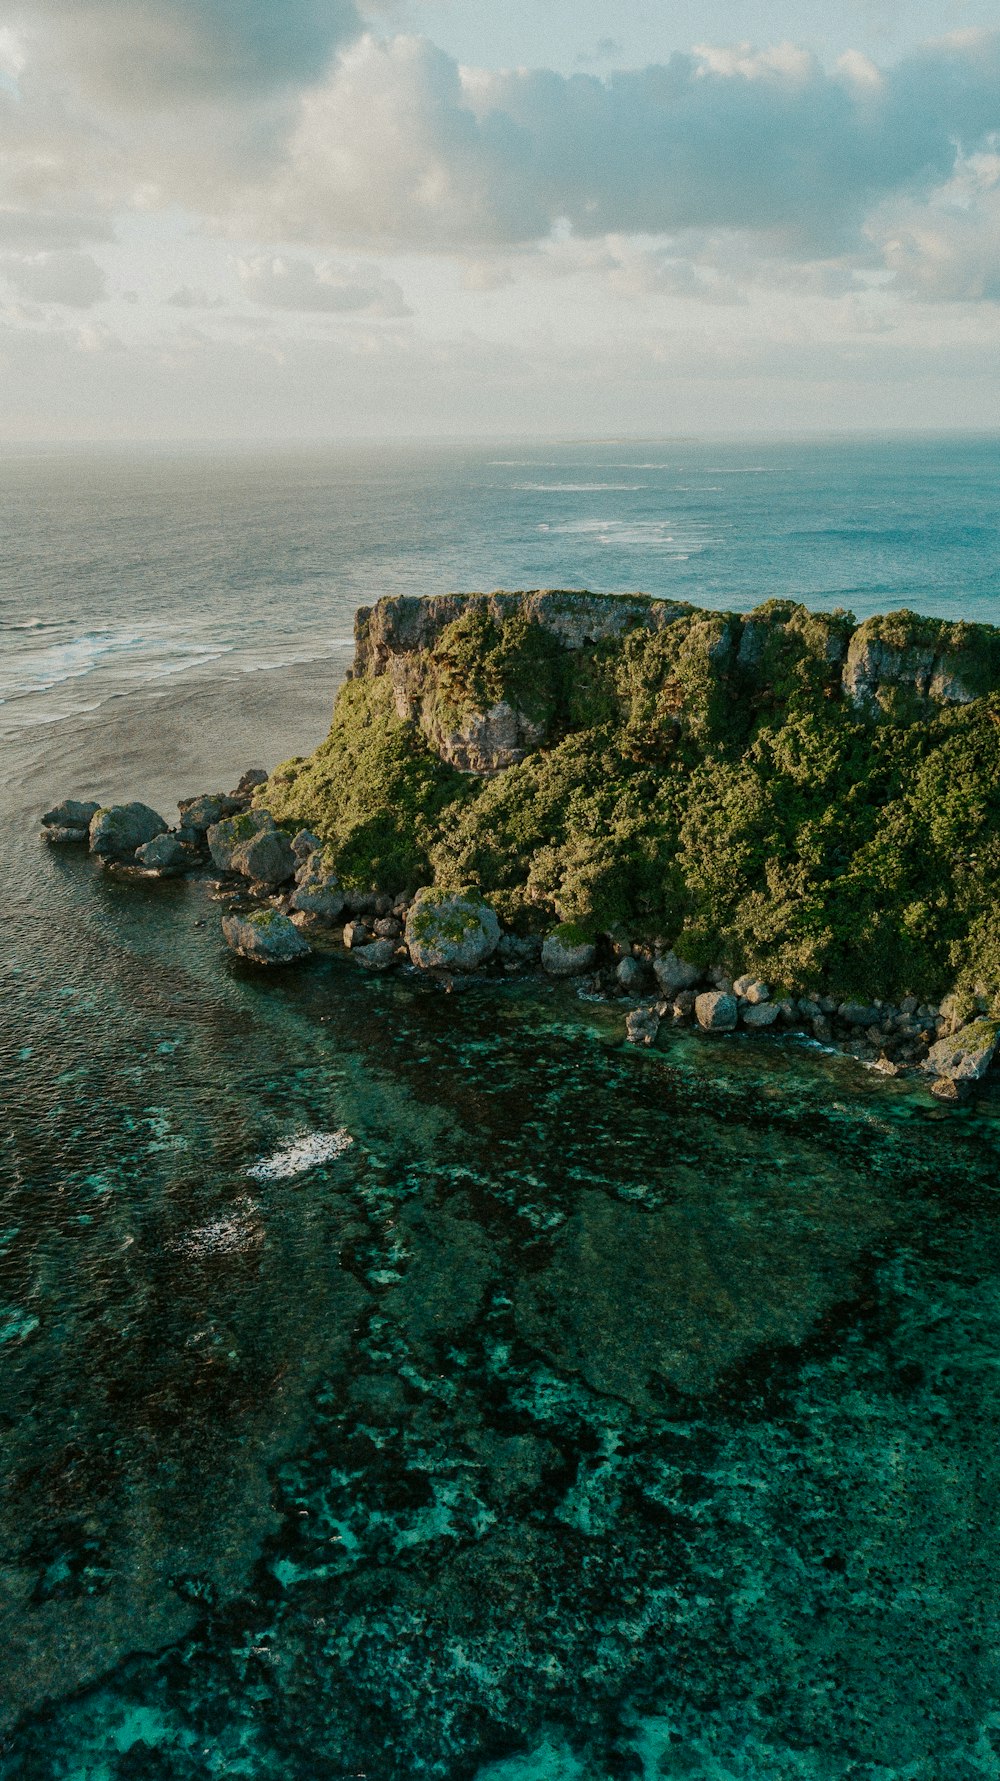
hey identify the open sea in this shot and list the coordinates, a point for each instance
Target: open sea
(396, 1385)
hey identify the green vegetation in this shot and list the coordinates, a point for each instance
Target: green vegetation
(709, 784)
(459, 920)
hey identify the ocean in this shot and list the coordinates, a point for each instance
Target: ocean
(399, 1385)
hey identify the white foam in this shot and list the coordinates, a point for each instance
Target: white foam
(237, 1231)
(295, 1155)
(578, 488)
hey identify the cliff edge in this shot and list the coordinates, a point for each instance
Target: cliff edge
(803, 796)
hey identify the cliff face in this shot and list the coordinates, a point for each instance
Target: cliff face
(815, 800)
(899, 667)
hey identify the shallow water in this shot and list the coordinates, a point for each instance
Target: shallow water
(580, 1413)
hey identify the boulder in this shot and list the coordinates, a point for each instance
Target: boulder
(630, 975)
(227, 836)
(716, 1011)
(202, 813)
(950, 1089)
(356, 935)
(264, 937)
(757, 1015)
(57, 837)
(389, 927)
(267, 858)
(642, 1025)
(117, 830)
(451, 930)
(520, 949)
(751, 989)
(965, 1056)
(70, 814)
(304, 843)
(317, 889)
(563, 955)
(674, 974)
(249, 781)
(165, 853)
(859, 1014)
(378, 955)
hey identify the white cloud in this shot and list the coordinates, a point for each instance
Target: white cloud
(70, 279)
(281, 283)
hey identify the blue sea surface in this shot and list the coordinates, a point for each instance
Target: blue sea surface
(399, 1385)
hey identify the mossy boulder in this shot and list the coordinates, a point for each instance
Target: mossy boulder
(265, 858)
(568, 951)
(451, 930)
(265, 938)
(317, 892)
(231, 833)
(966, 1055)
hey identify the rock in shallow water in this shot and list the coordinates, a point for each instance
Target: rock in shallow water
(642, 1026)
(265, 937)
(117, 830)
(164, 853)
(379, 955)
(70, 814)
(967, 1054)
(716, 1011)
(59, 837)
(451, 930)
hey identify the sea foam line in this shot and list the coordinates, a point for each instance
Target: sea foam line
(305, 1151)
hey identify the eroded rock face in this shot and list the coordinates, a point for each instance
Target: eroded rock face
(966, 1055)
(488, 741)
(203, 812)
(118, 830)
(265, 938)
(927, 666)
(451, 930)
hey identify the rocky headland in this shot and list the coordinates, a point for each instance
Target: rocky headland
(774, 822)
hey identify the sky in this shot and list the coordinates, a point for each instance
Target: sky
(327, 219)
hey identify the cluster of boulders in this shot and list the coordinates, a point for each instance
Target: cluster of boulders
(284, 896)
(136, 837)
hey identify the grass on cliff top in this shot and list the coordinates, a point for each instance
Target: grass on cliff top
(705, 784)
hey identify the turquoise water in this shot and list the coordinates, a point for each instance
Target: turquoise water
(589, 1414)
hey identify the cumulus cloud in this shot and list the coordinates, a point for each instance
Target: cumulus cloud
(281, 283)
(72, 279)
(400, 146)
(132, 51)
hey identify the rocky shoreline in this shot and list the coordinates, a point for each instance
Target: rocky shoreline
(284, 901)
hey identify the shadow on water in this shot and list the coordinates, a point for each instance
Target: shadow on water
(591, 1413)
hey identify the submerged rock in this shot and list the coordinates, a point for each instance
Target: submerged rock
(563, 955)
(70, 814)
(227, 836)
(716, 1011)
(59, 837)
(378, 955)
(451, 930)
(165, 853)
(117, 830)
(642, 1025)
(966, 1055)
(265, 937)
